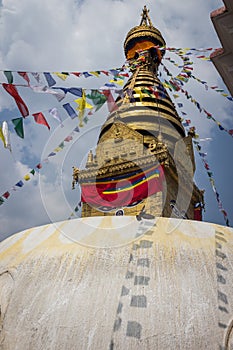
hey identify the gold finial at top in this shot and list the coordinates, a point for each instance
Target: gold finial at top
(145, 17)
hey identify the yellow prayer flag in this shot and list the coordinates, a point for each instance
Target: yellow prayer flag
(139, 92)
(58, 149)
(61, 75)
(120, 82)
(26, 177)
(95, 73)
(166, 85)
(82, 105)
(2, 137)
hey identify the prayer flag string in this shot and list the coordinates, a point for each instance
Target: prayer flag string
(190, 75)
(38, 166)
(176, 85)
(96, 97)
(191, 130)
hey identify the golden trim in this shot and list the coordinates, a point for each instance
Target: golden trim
(141, 31)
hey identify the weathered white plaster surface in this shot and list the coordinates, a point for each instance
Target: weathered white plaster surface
(116, 283)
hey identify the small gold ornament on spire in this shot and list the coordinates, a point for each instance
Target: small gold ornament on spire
(145, 18)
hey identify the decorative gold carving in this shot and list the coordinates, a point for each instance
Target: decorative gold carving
(141, 31)
(145, 17)
(90, 159)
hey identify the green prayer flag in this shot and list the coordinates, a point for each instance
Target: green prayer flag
(1, 200)
(32, 172)
(9, 76)
(18, 126)
(97, 98)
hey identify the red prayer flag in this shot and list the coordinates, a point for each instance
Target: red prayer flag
(25, 76)
(6, 195)
(39, 166)
(77, 74)
(112, 106)
(68, 138)
(11, 89)
(40, 119)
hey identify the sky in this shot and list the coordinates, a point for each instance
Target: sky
(88, 35)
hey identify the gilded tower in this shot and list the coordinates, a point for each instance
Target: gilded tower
(143, 160)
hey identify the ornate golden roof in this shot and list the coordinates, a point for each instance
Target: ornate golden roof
(145, 35)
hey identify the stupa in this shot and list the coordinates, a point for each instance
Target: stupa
(139, 281)
(143, 158)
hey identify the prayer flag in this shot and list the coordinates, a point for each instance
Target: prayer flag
(11, 89)
(110, 85)
(1, 200)
(52, 154)
(62, 76)
(60, 95)
(39, 166)
(139, 92)
(220, 126)
(55, 114)
(71, 112)
(6, 134)
(86, 74)
(97, 98)
(6, 194)
(49, 79)
(2, 137)
(68, 138)
(72, 90)
(19, 184)
(27, 177)
(18, 126)
(9, 76)
(25, 76)
(96, 73)
(112, 106)
(32, 172)
(82, 105)
(78, 74)
(77, 129)
(40, 119)
(36, 76)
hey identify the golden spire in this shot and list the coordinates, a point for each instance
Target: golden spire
(145, 17)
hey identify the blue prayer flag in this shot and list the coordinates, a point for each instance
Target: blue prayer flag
(19, 184)
(70, 110)
(49, 79)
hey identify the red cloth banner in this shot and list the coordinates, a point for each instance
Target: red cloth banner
(198, 214)
(123, 192)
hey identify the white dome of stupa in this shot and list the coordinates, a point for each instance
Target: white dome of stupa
(117, 283)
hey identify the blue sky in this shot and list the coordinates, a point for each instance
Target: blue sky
(88, 35)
